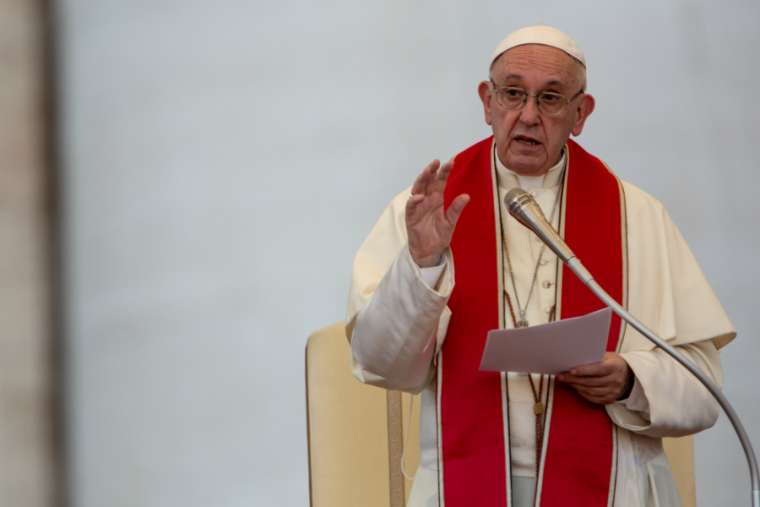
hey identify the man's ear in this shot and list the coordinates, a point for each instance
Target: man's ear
(585, 108)
(484, 91)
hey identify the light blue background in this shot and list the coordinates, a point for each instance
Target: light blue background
(224, 160)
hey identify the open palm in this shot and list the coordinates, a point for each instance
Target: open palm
(430, 226)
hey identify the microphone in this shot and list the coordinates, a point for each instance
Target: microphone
(526, 210)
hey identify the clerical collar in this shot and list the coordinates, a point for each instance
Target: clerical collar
(508, 178)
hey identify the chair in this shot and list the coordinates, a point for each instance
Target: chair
(356, 434)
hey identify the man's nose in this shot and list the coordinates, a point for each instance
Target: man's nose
(529, 114)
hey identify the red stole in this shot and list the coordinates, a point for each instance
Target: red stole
(579, 450)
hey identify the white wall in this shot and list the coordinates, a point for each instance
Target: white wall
(225, 159)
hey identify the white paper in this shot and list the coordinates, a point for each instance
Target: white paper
(548, 348)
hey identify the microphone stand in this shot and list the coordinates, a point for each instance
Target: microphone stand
(523, 207)
(583, 274)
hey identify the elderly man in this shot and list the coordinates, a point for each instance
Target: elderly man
(446, 263)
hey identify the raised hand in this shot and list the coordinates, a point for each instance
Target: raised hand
(429, 226)
(604, 382)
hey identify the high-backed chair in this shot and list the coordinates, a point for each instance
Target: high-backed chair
(356, 434)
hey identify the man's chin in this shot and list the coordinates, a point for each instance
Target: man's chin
(523, 167)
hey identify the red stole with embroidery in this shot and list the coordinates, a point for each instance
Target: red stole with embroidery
(579, 449)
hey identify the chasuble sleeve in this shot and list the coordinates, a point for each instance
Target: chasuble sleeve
(670, 402)
(396, 321)
(670, 294)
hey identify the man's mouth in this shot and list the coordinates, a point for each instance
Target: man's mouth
(526, 140)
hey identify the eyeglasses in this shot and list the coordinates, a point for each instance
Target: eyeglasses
(514, 98)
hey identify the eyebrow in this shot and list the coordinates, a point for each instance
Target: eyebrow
(553, 82)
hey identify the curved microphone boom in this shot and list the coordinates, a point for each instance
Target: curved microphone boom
(524, 208)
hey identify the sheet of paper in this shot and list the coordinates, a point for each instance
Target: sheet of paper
(548, 348)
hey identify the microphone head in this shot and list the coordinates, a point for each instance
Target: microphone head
(516, 199)
(526, 210)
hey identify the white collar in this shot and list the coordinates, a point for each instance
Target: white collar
(508, 178)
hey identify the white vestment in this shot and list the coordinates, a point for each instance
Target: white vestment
(398, 321)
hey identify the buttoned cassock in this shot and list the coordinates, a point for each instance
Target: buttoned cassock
(398, 318)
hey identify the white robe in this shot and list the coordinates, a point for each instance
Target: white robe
(397, 322)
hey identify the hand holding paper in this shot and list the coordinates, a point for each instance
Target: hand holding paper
(603, 382)
(549, 348)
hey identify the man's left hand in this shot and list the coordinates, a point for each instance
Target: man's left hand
(604, 382)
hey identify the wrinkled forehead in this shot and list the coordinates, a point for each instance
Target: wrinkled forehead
(540, 63)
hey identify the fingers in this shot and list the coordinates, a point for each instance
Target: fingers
(602, 382)
(445, 170)
(591, 370)
(585, 381)
(455, 209)
(432, 178)
(412, 204)
(424, 179)
(598, 394)
(438, 183)
(415, 199)
(610, 363)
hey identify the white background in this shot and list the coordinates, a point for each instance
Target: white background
(224, 160)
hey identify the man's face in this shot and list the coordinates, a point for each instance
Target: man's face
(528, 141)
